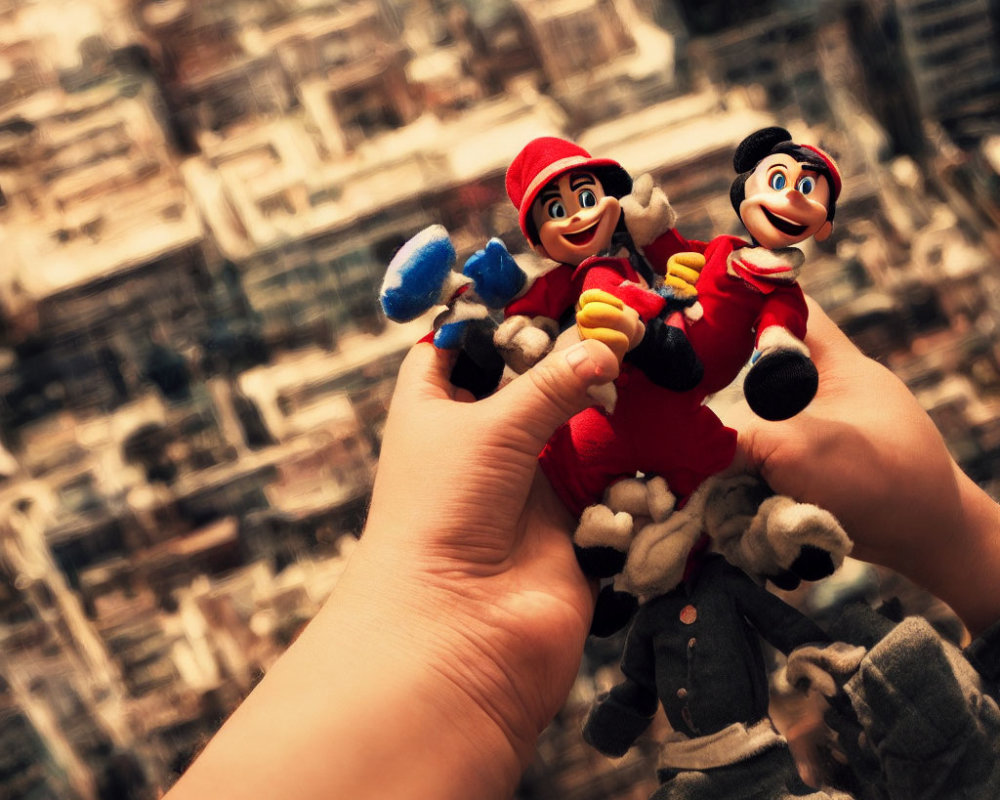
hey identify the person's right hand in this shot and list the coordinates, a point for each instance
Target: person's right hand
(865, 450)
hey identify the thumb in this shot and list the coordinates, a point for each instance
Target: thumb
(548, 394)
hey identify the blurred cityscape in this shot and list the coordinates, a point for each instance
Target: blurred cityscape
(199, 199)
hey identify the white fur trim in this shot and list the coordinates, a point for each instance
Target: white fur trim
(791, 525)
(605, 395)
(462, 310)
(521, 343)
(781, 265)
(659, 552)
(662, 501)
(601, 527)
(695, 311)
(628, 494)
(734, 743)
(778, 337)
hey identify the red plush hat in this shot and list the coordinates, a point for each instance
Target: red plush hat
(547, 158)
(831, 165)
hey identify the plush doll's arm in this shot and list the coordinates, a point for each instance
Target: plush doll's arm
(605, 317)
(621, 716)
(772, 536)
(648, 213)
(606, 275)
(780, 624)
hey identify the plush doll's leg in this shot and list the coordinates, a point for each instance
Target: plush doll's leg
(612, 611)
(779, 385)
(666, 357)
(479, 365)
(420, 275)
(603, 537)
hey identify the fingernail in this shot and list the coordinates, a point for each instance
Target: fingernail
(581, 359)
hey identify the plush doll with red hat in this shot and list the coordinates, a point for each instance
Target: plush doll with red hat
(569, 211)
(753, 308)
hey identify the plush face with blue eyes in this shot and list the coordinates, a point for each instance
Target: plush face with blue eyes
(786, 202)
(574, 218)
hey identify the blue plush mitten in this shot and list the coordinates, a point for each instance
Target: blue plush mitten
(495, 273)
(418, 275)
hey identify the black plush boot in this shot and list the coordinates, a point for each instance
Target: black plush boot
(779, 385)
(666, 357)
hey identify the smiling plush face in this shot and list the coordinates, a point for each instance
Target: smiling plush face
(574, 218)
(786, 202)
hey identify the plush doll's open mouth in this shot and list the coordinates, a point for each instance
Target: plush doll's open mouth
(784, 225)
(580, 238)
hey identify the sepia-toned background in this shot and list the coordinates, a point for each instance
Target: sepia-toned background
(199, 198)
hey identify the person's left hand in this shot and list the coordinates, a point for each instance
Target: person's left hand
(455, 632)
(472, 543)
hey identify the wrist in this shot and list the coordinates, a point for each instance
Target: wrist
(366, 703)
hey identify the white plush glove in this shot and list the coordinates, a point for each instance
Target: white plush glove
(524, 341)
(648, 213)
(823, 668)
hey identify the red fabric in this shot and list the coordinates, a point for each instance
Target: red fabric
(672, 434)
(735, 313)
(652, 430)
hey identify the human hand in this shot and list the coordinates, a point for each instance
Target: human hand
(604, 317)
(456, 630)
(481, 554)
(866, 451)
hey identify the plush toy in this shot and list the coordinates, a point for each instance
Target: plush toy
(639, 536)
(915, 717)
(569, 210)
(753, 308)
(749, 308)
(421, 276)
(693, 648)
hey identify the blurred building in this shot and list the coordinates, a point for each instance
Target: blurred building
(197, 204)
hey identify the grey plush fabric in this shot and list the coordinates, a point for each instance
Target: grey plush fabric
(916, 722)
(770, 775)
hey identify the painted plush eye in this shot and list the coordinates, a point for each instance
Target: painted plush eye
(556, 209)
(587, 199)
(806, 184)
(778, 181)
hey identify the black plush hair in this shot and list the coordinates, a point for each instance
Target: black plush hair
(763, 143)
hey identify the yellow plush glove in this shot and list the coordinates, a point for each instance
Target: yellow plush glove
(602, 316)
(683, 270)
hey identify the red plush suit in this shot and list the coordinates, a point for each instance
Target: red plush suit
(736, 309)
(673, 434)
